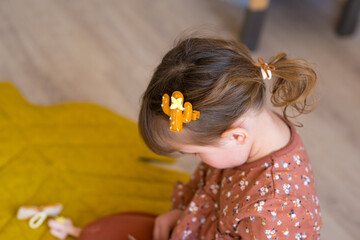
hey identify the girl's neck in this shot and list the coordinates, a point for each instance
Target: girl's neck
(271, 133)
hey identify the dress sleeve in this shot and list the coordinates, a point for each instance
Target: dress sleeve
(183, 193)
(274, 219)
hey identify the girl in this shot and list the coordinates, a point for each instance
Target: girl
(255, 180)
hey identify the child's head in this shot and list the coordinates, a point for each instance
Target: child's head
(219, 79)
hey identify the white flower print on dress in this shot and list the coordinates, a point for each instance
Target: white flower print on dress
(306, 180)
(193, 208)
(273, 213)
(279, 223)
(225, 210)
(236, 208)
(297, 159)
(317, 201)
(243, 184)
(263, 190)
(265, 165)
(297, 202)
(263, 221)
(287, 188)
(286, 233)
(289, 177)
(186, 234)
(214, 188)
(269, 233)
(283, 205)
(285, 165)
(299, 236)
(259, 206)
(292, 214)
(202, 220)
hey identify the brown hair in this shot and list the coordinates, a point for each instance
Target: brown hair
(219, 79)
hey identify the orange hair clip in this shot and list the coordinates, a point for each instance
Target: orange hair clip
(178, 113)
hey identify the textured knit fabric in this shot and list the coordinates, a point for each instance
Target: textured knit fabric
(81, 155)
(272, 198)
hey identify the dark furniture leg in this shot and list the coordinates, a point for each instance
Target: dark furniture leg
(254, 20)
(349, 18)
(252, 28)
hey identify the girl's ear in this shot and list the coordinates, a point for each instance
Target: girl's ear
(235, 134)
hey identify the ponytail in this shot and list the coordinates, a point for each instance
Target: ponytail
(294, 83)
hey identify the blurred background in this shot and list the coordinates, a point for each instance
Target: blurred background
(105, 52)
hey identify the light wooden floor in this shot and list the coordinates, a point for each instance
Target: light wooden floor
(104, 51)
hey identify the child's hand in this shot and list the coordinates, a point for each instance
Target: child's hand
(165, 223)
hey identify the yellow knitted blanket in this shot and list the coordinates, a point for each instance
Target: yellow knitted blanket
(81, 155)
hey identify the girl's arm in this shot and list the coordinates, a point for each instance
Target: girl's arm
(273, 219)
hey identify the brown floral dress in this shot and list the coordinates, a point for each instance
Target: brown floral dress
(272, 198)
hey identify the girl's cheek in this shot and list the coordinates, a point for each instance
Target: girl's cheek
(211, 162)
(204, 159)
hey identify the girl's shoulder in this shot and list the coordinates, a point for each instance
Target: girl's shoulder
(283, 180)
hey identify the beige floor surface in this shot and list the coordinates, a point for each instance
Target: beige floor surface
(105, 51)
